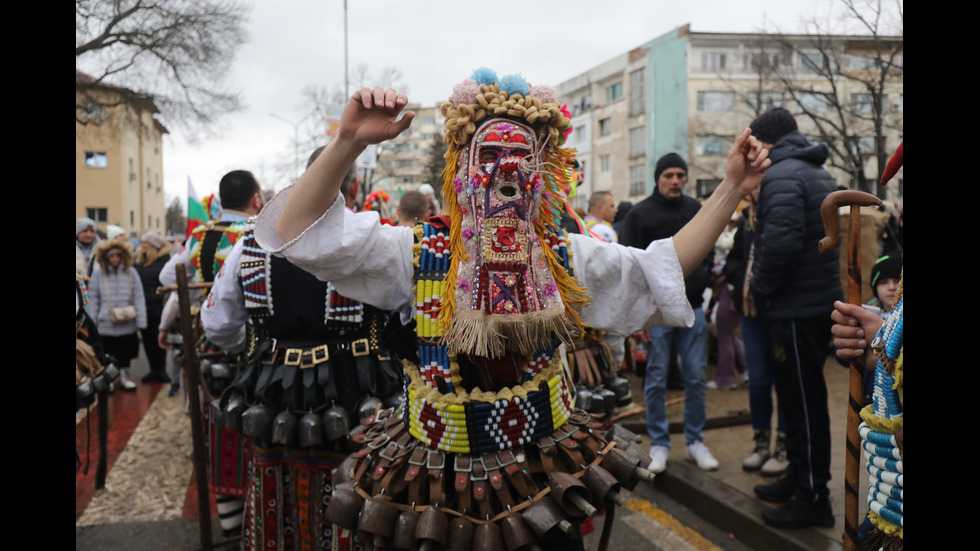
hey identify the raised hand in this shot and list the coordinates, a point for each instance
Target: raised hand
(747, 162)
(371, 116)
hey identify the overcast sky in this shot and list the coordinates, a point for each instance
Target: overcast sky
(295, 44)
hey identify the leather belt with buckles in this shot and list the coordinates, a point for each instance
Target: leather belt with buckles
(306, 358)
(360, 347)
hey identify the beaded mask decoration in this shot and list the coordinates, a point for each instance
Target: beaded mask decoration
(506, 171)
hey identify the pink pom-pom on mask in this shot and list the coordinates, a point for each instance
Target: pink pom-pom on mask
(544, 93)
(465, 92)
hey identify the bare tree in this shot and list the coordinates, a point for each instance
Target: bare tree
(174, 53)
(849, 85)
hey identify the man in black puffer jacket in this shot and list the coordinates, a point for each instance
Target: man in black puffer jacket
(795, 288)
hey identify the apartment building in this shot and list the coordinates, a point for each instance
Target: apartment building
(118, 158)
(402, 161)
(692, 93)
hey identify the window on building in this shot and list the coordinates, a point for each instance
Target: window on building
(605, 163)
(768, 101)
(605, 127)
(638, 179)
(132, 218)
(638, 100)
(95, 159)
(713, 61)
(707, 186)
(866, 145)
(716, 101)
(428, 120)
(862, 104)
(711, 145)
(861, 62)
(614, 92)
(813, 62)
(93, 111)
(99, 214)
(814, 102)
(638, 141)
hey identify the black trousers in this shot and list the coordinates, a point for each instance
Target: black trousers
(155, 356)
(799, 349)
(123, 348)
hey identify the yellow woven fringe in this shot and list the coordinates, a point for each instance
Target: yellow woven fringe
(889, 528)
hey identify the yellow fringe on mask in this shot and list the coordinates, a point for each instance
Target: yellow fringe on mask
(448, 300)
(572, 294)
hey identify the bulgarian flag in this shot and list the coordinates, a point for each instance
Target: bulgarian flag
(200, 211)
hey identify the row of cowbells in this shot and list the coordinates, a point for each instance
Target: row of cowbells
(262, 423)
(89, 385)
(614, 392)
(555, 515)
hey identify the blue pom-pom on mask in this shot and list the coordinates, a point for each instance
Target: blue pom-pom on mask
(484, 75)
(514, 84)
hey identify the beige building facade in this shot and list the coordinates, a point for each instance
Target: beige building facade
(118, 159)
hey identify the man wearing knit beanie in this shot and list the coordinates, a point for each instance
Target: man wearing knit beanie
(795, 287)
(773, 124)
(660, 216)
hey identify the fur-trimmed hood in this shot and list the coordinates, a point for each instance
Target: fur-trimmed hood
(102, 253)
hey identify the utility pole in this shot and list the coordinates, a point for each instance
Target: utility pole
(295, 142)
(346, 72)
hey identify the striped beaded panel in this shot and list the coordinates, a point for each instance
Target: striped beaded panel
(886, 474)
(885, 400)
(343, 310)
(479, 427)
(433, 264)
(254, 273)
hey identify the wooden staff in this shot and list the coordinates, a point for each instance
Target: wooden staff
(163, 290)
(193, 370)
(852, 465)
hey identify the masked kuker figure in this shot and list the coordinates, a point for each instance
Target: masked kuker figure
(487, 450)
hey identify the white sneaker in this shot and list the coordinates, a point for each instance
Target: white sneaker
(700, 454)
(745, 377)
(711, 385)
(658, 459)
(125, 381)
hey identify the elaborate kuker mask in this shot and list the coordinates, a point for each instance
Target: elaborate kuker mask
(512, 295)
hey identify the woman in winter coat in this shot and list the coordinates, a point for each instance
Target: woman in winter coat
(152, 255)
(115, 285)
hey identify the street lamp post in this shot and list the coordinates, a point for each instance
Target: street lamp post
(295, 141)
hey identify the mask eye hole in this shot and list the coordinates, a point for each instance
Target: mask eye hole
(489, 156)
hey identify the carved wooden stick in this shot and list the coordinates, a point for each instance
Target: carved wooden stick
(831, 223)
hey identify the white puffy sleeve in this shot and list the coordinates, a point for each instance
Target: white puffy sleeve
(630, 288)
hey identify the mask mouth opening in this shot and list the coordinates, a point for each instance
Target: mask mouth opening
(508, 191)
